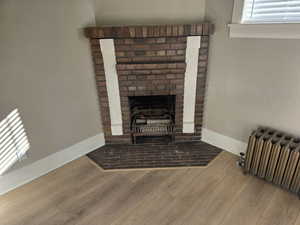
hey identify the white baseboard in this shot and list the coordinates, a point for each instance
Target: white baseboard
(227, 143)
(16, 178)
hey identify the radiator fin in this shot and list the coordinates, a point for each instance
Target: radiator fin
(274, 156)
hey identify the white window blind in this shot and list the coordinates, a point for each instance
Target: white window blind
(271, 11)
(13, 141)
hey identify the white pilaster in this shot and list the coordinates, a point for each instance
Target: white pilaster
(112, 84)
(190, 83)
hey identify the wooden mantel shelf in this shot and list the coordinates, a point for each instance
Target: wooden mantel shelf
(202, 29)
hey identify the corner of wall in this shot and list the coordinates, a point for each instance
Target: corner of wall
(227, 143)
(92, 5)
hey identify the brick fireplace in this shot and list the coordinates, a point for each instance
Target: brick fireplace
(162, 60)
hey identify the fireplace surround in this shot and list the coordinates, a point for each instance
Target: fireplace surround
(151, 62)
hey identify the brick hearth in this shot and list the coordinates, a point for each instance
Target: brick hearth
(154, 156)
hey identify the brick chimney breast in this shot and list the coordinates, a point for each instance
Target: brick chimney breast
(148, 61)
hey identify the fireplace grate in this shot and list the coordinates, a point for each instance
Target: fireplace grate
(153, 129)
(145, 123)
(152, 116)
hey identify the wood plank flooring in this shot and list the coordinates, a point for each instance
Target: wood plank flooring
(80, 193)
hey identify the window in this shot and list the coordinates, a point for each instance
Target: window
(271, 11)
(13, 141)
(278, 19)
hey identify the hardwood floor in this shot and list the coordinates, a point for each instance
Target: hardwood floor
(82, 194)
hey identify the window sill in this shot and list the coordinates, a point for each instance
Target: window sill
(271, 31)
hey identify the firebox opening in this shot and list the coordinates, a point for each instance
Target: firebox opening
(152, 119)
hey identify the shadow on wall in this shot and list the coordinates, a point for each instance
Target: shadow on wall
(13, 141)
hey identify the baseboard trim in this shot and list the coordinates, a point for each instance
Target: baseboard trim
(227, 143)
(16, 178)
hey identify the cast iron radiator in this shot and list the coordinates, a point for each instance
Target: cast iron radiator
(275, 157)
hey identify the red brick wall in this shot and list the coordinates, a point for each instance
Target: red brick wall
(151, 66)
(162, 49)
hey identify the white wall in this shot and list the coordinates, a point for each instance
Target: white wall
(46, 72)
(251, 82)
(111, 12)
